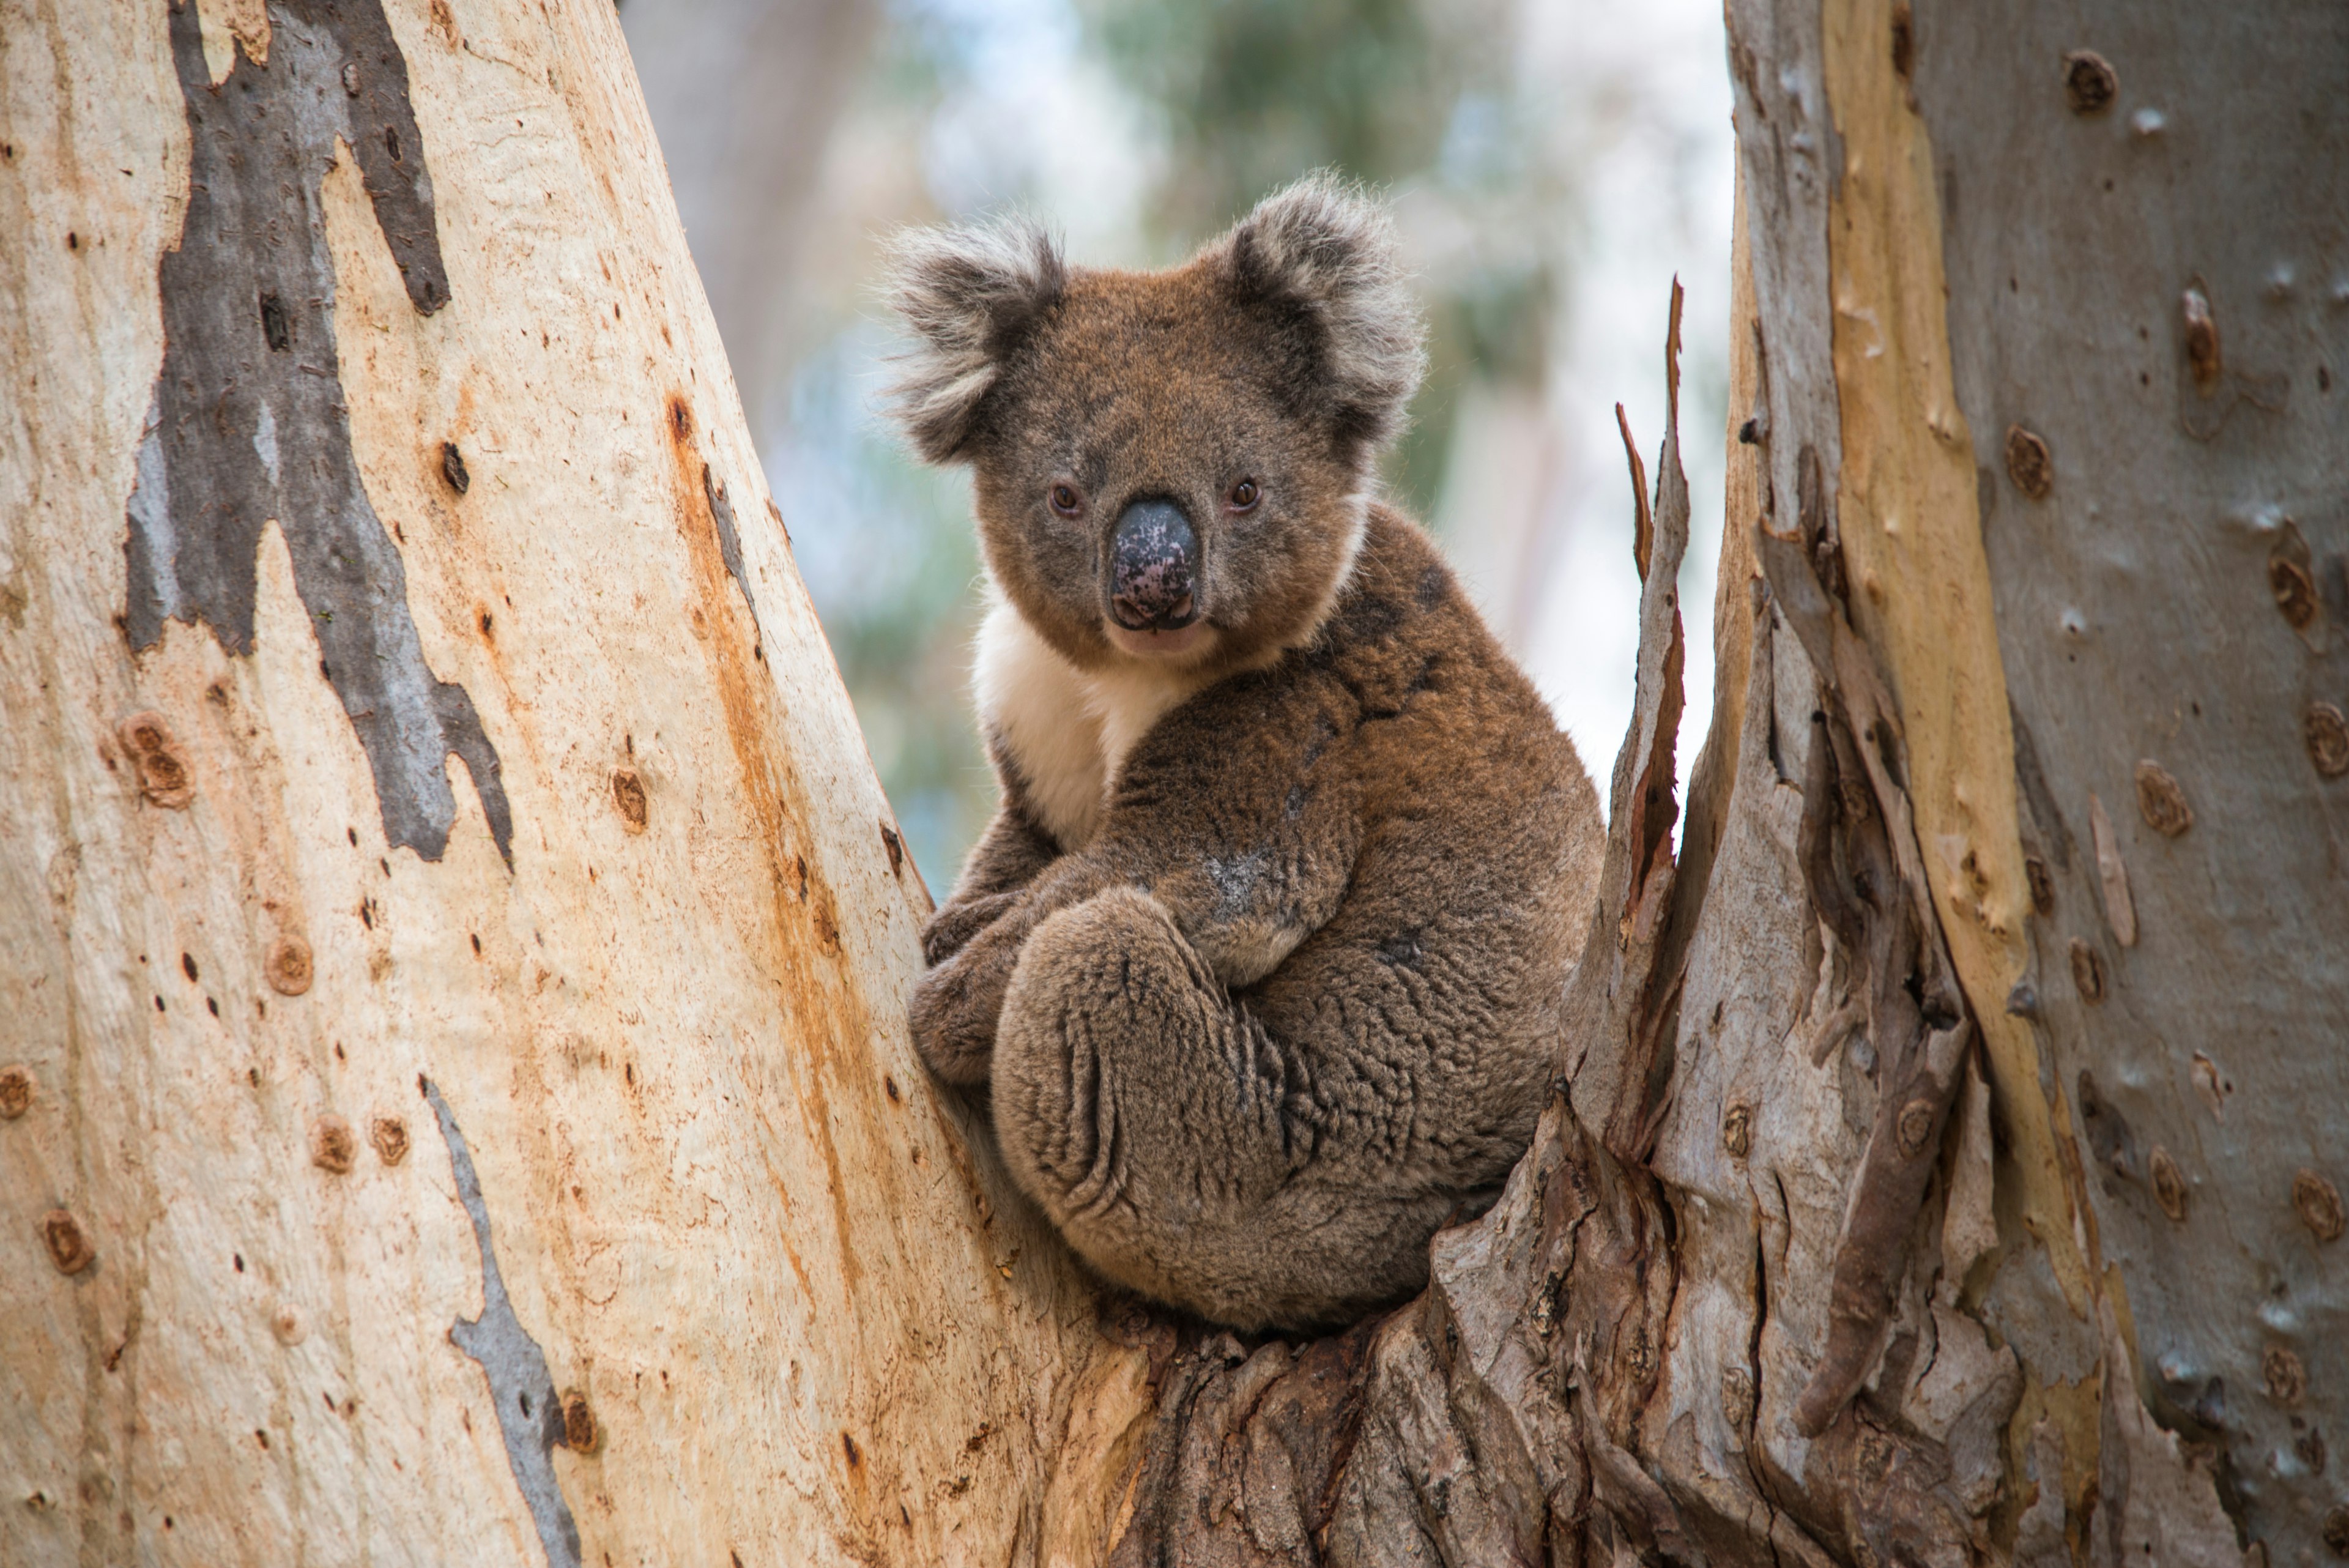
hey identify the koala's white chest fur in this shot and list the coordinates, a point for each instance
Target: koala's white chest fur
(1067, 730)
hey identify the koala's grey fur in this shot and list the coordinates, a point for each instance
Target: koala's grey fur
(1261, 956)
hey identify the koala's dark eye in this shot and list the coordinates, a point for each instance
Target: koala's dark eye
(1066, 501)
(1243, 495)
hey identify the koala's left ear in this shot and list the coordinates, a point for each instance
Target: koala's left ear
(1325, 250)
(969, 293)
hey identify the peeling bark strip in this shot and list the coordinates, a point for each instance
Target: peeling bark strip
(1620, 1005)
(729, 537)
(530, 1413)
(248, 421)
(1866, 877)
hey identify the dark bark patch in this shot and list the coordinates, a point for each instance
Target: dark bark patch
(277, 326)
(2292, 578)
(334, 1146)
(2042, 886)
(628, 799)
(155, 755)
(2029, 464)
(582, 1433)
(2170, 1188)
(2087, 972)
(389, 1136)
(2161, 802)
(721, 513)
(2281, 1370)
(16, 1092)
(68, 1245)
(530, 1418)
(2040, 798)
(2090, 83)
(2327, 734)
(1737, 1138)
(288, 966)
(2318, 1203)
(248, 422)
(2296, 591)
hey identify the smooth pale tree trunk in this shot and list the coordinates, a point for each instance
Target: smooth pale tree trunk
(455, 1102)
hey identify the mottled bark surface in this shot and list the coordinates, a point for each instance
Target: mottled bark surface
(2145, 222)
(249, 426)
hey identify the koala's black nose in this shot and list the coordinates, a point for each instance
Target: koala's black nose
(1153, 560)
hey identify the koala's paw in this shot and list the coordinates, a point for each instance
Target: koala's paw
(953, 1033)
(952, 928)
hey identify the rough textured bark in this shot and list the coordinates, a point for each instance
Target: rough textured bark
(513, 1160)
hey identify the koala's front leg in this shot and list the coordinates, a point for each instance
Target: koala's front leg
(959, 1001)
(1185, 1149)
(1009, 854)
(1244, 904)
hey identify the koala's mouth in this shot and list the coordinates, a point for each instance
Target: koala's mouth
(1175, 644)
(1153, 579)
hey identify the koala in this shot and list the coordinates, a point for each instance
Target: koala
(1259, 965)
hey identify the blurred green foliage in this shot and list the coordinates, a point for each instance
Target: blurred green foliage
(1254, 92)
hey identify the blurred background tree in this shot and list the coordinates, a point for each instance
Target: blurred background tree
(1552, 166)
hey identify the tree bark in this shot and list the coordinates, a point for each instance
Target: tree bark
(521, 1160)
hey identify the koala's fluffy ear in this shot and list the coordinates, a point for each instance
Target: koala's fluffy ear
(968, 294)
(1323, 248)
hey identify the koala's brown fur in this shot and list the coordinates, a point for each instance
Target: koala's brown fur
(1261, 958)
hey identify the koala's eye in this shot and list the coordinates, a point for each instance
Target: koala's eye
(1243, 495)
(1066, 501)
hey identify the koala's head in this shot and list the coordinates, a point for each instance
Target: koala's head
(1171, 466)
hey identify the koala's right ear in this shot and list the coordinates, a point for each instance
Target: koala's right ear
(1324, 249)
(969, 293)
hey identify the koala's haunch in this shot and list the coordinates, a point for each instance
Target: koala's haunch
(1262, 955)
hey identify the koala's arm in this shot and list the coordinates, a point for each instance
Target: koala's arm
(957, 1004)
(1244, 878)
(1008, 858)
